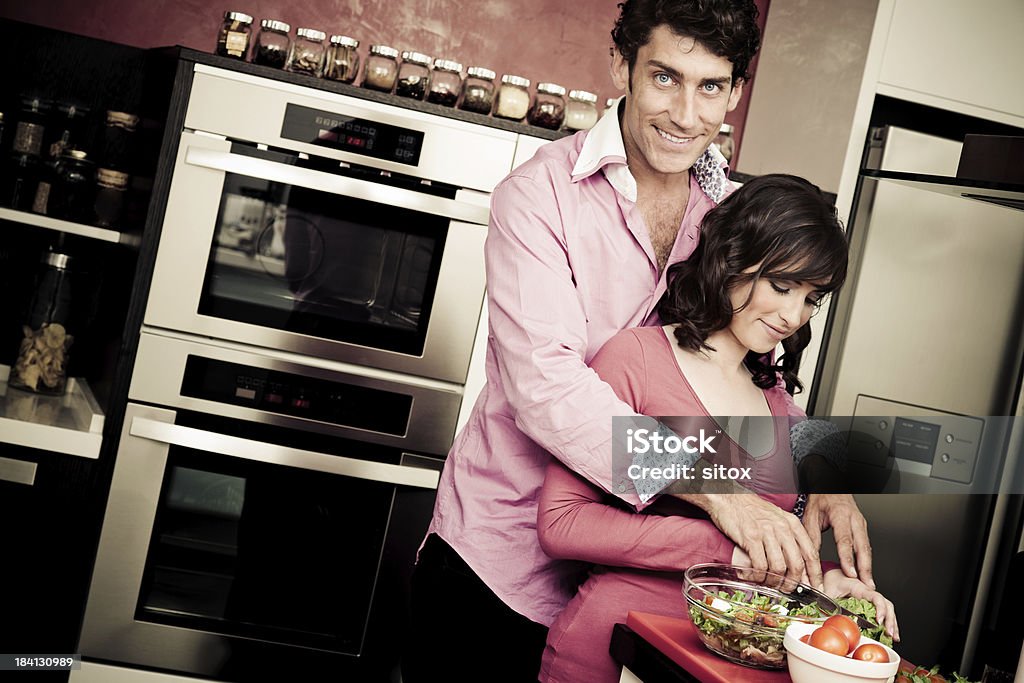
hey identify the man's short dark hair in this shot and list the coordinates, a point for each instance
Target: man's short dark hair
(726, 28)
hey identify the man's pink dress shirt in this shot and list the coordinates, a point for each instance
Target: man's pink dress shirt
(569, 264)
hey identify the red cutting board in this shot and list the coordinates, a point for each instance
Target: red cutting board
(677, 639)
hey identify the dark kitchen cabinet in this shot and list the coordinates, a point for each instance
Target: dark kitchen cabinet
(55, 459)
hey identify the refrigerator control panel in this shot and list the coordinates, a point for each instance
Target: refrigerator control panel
(922, 440)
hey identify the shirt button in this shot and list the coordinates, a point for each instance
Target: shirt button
(622, 488)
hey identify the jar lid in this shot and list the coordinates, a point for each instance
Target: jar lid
(344, 41)
(310, 34)
(583, 96)
(275, 25)
(55, 259)
(516, 80)
(72, 111)
(448, 65)
(111, 178)
(480, 72)
(550, 88)
(383, 51)
(726, 128)
(416, 58)
(238, 16)
(35, 105)
(122, 119)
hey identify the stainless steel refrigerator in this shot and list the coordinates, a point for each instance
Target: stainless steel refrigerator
(924, 344)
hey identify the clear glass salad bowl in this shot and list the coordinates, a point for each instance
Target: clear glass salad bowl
(742, 613)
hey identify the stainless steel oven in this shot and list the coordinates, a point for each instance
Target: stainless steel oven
(264, 513)
(327, 225)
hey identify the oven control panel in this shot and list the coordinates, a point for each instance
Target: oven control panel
(297, 396)
(351, 134)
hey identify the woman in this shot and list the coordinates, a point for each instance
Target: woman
(768, 256)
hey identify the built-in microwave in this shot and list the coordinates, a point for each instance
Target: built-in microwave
(327, 226)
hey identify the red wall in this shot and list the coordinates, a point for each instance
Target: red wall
(544, 40)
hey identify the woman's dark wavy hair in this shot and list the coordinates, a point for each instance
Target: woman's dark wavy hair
(726, 28)
(781, 224)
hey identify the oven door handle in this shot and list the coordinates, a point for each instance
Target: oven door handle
(341, 185)
(236, 447)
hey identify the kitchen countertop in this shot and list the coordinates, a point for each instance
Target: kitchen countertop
(659, 648)
(199, 57)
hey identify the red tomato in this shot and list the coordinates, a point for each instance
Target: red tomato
(830, 640)
(869, 652)
(804, 638)
(846, 626)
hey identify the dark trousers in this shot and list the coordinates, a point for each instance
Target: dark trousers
(461, 631)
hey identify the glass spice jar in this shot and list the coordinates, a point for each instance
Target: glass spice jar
(42, 363)
(21, 176)
(581, 110)
(478, 90)
(66, 129)
(31, 127)
(445, 83)
(111, 187)
(272, 44)
(307, 53)
(342, 59)
(548, 110)
(118, 136)
(233, 39)
(513, 98)
(413, 75)
(72, 197)
(381, 68)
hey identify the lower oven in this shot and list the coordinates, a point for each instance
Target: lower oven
(264, 514)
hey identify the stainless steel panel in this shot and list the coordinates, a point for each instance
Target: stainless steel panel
(931, 314)
(110, 630)
(327, 182)
(247, 449)
(180, 269)
(456, 152)
(18, 471)
(160, 366)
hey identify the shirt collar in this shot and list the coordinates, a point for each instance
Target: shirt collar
(603, 150)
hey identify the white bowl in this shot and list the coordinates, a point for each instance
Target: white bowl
(808, 664)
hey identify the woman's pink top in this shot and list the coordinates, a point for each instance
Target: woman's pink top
(640, 558)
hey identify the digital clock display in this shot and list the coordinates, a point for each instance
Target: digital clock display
(350, 134)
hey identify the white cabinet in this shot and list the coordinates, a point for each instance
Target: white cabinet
(960, 56)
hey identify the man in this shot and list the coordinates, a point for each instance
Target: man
(578, 244)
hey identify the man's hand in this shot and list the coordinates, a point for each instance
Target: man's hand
(840, 511)
(772, 538)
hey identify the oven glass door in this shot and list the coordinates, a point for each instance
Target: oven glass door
(303, 260)
(263, 551)
(320, 257)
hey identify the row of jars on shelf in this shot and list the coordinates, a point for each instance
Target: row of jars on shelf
(416, 76)
(48, 170)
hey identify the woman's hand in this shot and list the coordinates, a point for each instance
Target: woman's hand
(838, 585)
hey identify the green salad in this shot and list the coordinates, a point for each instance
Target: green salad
(749, 629)
(866, 610)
